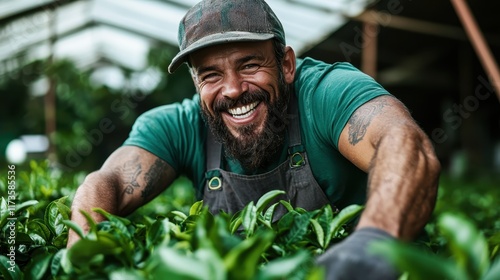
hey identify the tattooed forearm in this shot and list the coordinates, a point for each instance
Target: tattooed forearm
(362, 117)
(131, 170)
(152, 177)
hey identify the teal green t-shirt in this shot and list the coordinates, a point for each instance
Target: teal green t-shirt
(327, 95)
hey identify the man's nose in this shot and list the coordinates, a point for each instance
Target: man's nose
(234, 86)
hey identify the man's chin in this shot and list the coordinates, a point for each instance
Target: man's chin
(247, 134)
(254, 150)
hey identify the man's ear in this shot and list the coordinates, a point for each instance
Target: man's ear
(289, 65)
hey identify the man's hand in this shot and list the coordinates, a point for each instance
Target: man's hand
(351, 259)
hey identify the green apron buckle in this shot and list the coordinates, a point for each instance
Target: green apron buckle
(297, 159)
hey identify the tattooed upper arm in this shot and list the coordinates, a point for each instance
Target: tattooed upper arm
(140, 175)
(153, 177)
(362, 117)
(367, 125)
(130, 170)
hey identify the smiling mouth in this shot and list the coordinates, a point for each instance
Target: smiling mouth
(243, 111)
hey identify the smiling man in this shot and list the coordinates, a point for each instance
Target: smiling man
(264, 120)
(240, 89)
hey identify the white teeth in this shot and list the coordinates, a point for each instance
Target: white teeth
(243, 111)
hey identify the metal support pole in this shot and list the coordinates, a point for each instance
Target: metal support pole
(479, 43)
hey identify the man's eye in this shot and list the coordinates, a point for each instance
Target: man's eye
(209, 77)
(251, 66)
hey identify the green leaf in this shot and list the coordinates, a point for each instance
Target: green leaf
(91, 223)
(196, 208)
(157, 233)
(118, 222)
(222, 239)
(4, 212)
(287, 205)
(60, 241)
(266, 199)
(200, 237)
(344, 216)
(189, 224)
(243, 259)
(249, 218)
(320, 234)
(9, 269)
(75, 227)
(419, 264)
(286, 222)
(299, 228)
(325, 217)
(167, 261)
(84, 250)
(179, 214)
(283, 268)
(64, 261)
(235, 223)
(38, 231)
(112, 217)
(55, 213)
(26, 204)
(279, 250)
(267, 218)
(467, 244)
(55, 264)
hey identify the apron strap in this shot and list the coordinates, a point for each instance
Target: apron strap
(213, 151)
(295, 139)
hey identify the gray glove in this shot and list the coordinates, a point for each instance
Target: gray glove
(351, 260)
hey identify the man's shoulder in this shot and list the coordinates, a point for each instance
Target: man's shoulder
(339, 77)
(309, 68)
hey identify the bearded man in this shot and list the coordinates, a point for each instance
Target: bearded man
(264, 120)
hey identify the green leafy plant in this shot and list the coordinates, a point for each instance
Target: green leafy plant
(246, 245)
(467, 258)
(175, 235)
(39, 234)
(184, 240)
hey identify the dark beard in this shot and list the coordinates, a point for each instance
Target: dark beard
(252, 149)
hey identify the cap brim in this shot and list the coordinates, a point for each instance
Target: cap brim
(215, 39)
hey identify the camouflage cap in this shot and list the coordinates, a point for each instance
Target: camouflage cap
(213, 22)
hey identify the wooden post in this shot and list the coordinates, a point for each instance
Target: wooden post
(479, 43)
(370, 42)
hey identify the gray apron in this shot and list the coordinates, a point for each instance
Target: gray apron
(231, 192)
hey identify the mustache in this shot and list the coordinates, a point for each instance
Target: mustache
(225, 103)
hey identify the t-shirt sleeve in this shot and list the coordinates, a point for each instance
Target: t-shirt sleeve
(337, 90)
(169, 132)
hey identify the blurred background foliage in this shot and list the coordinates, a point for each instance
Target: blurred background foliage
(82, 105)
